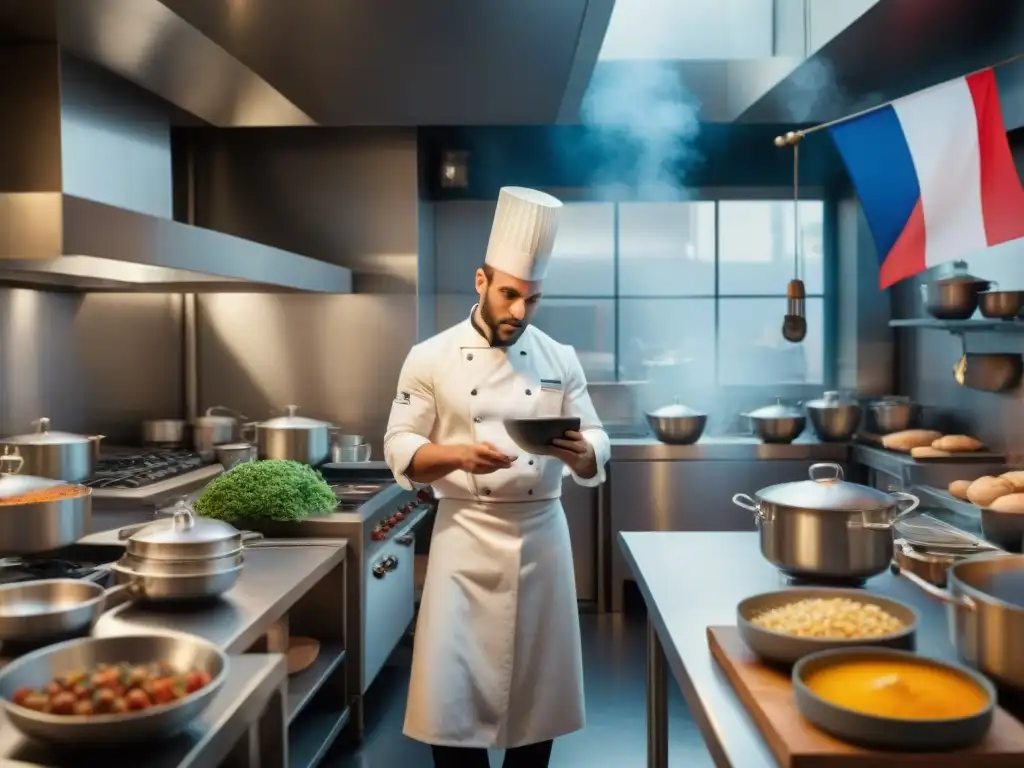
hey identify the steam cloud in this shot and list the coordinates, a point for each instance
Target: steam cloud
(815, 94)
(646, 124)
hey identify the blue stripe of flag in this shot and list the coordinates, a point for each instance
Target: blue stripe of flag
(874, 149)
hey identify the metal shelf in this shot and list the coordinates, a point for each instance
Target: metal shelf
(303, 685)
(960, 326)
(941, 498)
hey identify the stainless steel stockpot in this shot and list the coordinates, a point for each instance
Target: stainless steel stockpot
(985, 599)
(293, 437)
(826, 528)
(57, 455)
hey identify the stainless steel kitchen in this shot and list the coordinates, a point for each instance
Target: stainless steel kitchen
(776, 237)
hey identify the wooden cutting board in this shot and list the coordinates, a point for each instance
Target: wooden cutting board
(875, 441)
(768, 696)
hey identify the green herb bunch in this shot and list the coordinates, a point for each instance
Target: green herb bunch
(267, 490)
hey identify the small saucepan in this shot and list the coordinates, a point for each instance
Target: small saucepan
(1001, 305)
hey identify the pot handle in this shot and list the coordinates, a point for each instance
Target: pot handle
(887, 525)
(835, 472)
(943, 595)
(745, 502)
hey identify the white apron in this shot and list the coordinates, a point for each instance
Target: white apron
(497, 659)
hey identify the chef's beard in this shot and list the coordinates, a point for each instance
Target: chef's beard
(505, 331)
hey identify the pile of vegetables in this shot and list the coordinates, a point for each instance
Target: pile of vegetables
(267, 490)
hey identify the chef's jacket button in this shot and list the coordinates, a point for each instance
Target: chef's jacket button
(522, 351)
(477, 419)
(530, 492)
(473, 392)
(531, 462)
(487, 491)
(469, 356)
(529, 392)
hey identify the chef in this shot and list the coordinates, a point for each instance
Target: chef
(497, 660)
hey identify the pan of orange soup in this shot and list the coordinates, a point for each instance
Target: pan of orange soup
(893, 699)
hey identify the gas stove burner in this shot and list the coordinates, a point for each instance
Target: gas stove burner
(17, 569)
(138, 470)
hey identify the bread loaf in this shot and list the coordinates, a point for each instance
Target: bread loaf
(957, 444)
(927, 452)
(1016, 478)
(909, 439)
(958, 489)
(987, 489)
(1012, 502)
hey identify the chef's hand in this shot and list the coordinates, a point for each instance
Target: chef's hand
(482, 458)
(575, 452)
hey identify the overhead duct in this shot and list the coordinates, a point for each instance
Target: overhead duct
(895, 48)
(86, 192)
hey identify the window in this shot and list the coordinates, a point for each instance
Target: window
(684, 295)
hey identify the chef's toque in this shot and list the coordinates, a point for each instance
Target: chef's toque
(523, 233)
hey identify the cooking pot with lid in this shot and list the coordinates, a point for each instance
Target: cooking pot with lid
(955, 295)
(213, 429)
(185, 536)
(57, 455)
(825, 528)
(778, 423)
(293, 437)
(676, 424)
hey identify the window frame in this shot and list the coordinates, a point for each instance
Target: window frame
(718, 195)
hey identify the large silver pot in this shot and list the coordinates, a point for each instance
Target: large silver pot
(986, 613)
(294, 437)
(826, 528)
(676, 424)
(835, 419)
(777, 423)
(57, 455)
(213, 429)
(893, 414)
(40, 526)
(955, 295)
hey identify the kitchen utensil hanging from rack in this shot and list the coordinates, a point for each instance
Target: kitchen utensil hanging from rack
(794, 326)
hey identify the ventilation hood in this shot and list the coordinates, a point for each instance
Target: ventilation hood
(86, 192)
(895, 48)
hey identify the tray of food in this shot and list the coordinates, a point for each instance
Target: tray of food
(999, 502)
(112, 690)
(927, 445)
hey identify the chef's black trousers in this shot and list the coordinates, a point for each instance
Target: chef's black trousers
(528, 756)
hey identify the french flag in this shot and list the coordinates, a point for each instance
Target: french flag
(934, 175)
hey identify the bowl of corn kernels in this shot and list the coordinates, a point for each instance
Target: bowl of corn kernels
(784, 626)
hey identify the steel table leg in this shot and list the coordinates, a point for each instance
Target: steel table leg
(657, 701)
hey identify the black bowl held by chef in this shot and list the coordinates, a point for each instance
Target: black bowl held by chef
(497, 661)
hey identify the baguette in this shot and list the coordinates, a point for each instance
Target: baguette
(910, 438)
(957, 444)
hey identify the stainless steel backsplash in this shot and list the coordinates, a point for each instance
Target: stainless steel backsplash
(96, 363)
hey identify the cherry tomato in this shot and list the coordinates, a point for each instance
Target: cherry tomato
(137, 699)
(84, 707)
(193, 682)
(20, 695)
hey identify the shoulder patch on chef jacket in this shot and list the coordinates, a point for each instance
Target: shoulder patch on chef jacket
(402, 398)
(551, 384)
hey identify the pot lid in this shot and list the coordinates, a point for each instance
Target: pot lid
(778, 411)
(213, 419)
(826, 490)
(291, 421)
(893, 400)
(13, 484)
(185, 527)
(831, 400)
(43, 436)
(958, 274)
(674, 411)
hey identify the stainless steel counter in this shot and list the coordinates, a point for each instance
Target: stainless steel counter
(732, 448)
(218, 737)
(900, 470)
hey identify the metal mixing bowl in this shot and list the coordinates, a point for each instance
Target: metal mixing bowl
(777, 423)
(677, 424)
(893, 414)
(952, 299)
(37, 669)
(834, 420)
